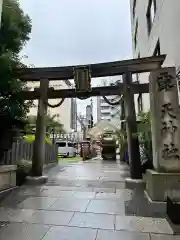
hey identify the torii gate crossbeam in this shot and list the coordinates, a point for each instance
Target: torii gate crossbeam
(96, 91)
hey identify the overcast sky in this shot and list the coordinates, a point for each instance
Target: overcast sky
(68, 32)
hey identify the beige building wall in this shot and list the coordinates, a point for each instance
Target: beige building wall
(165, 30)
(63, 113)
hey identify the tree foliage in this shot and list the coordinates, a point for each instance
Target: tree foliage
(53, 125)
(144, 126)
(14, 33)
(50, 123)
(143, 133)
(15, 27)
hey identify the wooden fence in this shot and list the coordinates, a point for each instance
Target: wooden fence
(24, 151)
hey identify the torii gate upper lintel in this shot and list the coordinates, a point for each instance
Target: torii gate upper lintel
(134, 66)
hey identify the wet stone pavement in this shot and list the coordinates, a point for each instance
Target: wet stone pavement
(83, 201)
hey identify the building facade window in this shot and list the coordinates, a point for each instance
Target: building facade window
(157, 50)
(140, 103)
(134, 7)
(105, 114)
(136, 35)
(102, 100)
(151, 12)
(105, 107)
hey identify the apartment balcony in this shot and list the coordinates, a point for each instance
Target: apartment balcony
(104, 104)
(115, 110)
(105, 111)
(108, 117)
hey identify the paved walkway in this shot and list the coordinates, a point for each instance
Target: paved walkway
(83, 201)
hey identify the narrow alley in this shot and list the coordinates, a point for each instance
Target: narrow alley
(83, 201)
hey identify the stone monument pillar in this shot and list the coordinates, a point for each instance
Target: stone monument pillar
(164, 180)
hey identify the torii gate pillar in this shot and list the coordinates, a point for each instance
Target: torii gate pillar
(131, 128)
(39, 144)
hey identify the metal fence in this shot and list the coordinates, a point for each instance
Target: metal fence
(22, 150)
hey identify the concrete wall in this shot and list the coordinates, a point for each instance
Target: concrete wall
(7, 177)
(165, 28)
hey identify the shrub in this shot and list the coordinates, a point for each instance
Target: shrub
(31, 139)
(23, 170)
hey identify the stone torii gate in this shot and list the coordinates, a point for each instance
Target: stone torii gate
(125, 68)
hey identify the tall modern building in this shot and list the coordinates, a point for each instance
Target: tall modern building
(63, 113)
(103, 109)
(154, 32)
(106, 111)
(74, 114)
(89, 115)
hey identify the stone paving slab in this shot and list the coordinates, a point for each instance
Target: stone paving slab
(63, 188)
(112, 177)
(70, 233)
(141, 224)
(23, 231)
(71, 188)
(87, 195)
(91, 220)
(70, 204)
(106, 206)
(104, 190)
(56, 193)
(15, 215)
(50, 217)
(29, 191)
(124, 195)
(164, 237)
(87, 178)
(37, 203)
(85, 183)
(13, 200)
(102, 184)
(16, 231)
(121, 235)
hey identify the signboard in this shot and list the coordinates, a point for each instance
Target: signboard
(82, 78)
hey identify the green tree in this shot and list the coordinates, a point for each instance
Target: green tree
(144, 126)
(143, 132)
(14, 33)
(30, 127)
(51, 125)
(145, 136)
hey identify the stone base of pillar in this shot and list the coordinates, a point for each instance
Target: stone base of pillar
(160, 185)
(36, 180)
(135, 183)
